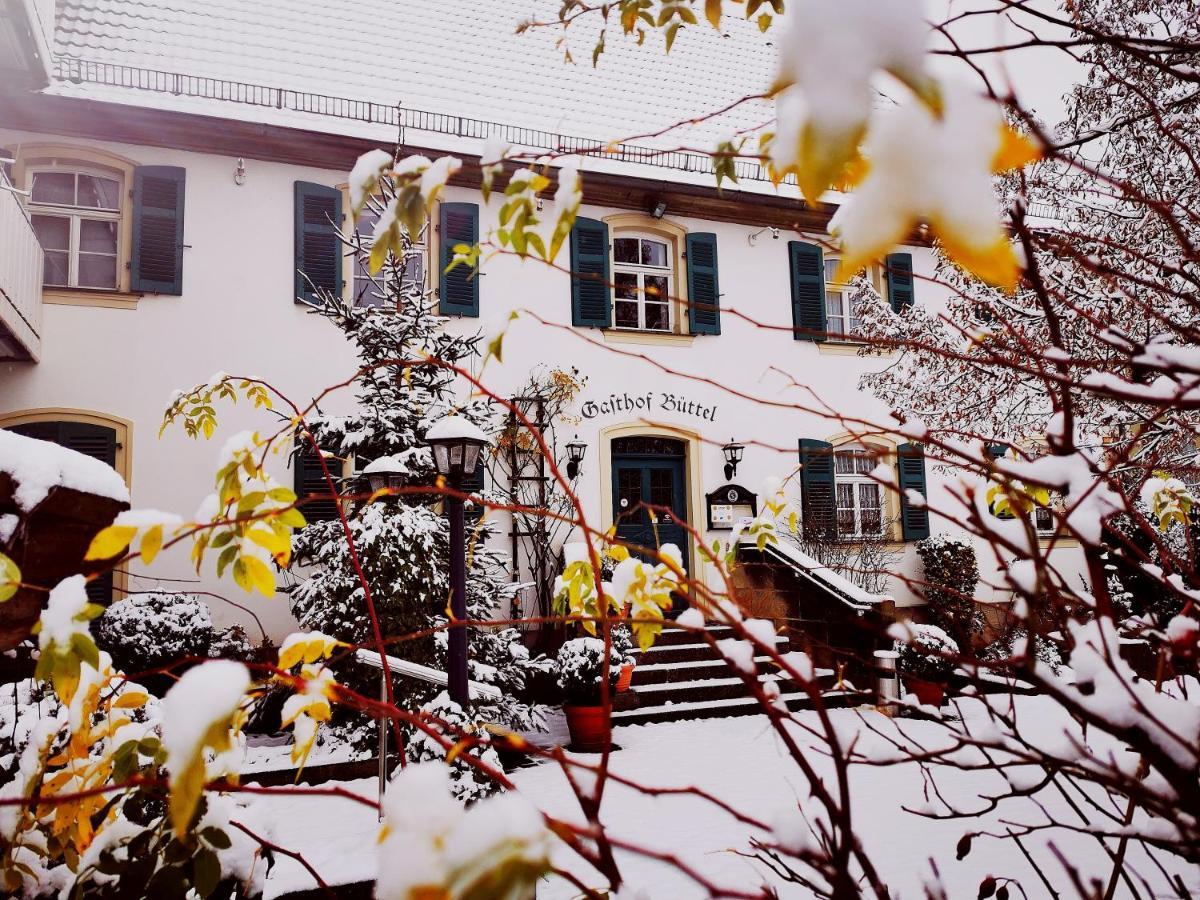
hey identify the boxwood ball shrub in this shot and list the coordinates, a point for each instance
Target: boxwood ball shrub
(147, 631)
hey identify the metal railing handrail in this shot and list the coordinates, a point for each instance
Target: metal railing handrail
(78, 71)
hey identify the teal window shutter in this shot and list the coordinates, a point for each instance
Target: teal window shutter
(997, 451)
(591, 299)
(808, 291)
(704, 292)
(308, 481)
(900, 286)
(318, 244)
(817, 489)
(910, 462)
(156, 262)
(458, 289)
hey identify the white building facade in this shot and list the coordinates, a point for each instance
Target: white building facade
(169, 209)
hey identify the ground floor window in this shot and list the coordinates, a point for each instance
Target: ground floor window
(859, 499)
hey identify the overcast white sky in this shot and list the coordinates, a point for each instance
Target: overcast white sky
(1040, 76)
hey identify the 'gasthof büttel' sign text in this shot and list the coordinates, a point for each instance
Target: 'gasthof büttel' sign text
(644, 403)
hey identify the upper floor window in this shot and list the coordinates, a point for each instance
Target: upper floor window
(363, 288)
(76, 215)
(843, 311)
(642, 280)
(859, 498)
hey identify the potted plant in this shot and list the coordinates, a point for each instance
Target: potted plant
(580, 669)
(926, 662)
(622, 644)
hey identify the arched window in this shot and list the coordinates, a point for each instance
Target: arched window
(76, 213)
(860, 499)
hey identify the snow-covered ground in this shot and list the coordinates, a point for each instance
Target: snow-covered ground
(742, 762)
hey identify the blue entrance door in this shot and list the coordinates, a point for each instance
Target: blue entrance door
(649, 494)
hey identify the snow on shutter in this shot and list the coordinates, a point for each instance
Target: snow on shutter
(817, 489)
(156, 263)
(308, 481)
(808, 291)
(318, 244)
(900, 286)
(591, 304)
(458, 290)
(704, 292)
(910, 462)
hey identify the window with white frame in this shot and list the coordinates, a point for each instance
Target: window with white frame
(363, 289)
(642, 278)
(76, 214)
(859, 499)
(843, 312)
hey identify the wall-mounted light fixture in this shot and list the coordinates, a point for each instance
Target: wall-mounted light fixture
(576, 450)
(660, 209)
(752, 239)
(733, 455)
(239, 172)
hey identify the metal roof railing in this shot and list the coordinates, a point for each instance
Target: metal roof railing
(80, 71)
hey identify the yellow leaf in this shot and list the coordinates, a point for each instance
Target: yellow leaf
(1015, 151)
(712, 11)
(996, 264)
(260, 575)
(10, 578)
(110, 542)
(131, 700)
(152, 542)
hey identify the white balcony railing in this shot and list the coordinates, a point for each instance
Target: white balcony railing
(20, 280)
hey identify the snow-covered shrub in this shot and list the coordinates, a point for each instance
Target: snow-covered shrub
(467, 782)
(581, 668)
(113, 844)
(147, 631)
(927, 652)
(622, 643)
(951, 575)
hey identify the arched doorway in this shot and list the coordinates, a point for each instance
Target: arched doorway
(649, 492)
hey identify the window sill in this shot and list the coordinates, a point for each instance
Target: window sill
(846, 348)
(1057, 542)
(84, 297)
(665, 338)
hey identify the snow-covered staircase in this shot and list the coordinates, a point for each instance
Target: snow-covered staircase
(683, 677)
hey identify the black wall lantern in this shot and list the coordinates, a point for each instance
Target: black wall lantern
(733, 455)
(576, 450)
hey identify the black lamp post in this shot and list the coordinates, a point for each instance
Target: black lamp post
(576, 450)
(733, 455)
(457, 446)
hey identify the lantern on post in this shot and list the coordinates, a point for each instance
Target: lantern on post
(457, 446)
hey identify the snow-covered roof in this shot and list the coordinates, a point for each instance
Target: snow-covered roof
(842, 588)
(463, 59)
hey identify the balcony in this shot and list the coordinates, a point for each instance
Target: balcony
(20, 280)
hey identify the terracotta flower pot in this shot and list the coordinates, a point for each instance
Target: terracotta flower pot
(930, 693)
(626, 678)
(590, 726)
